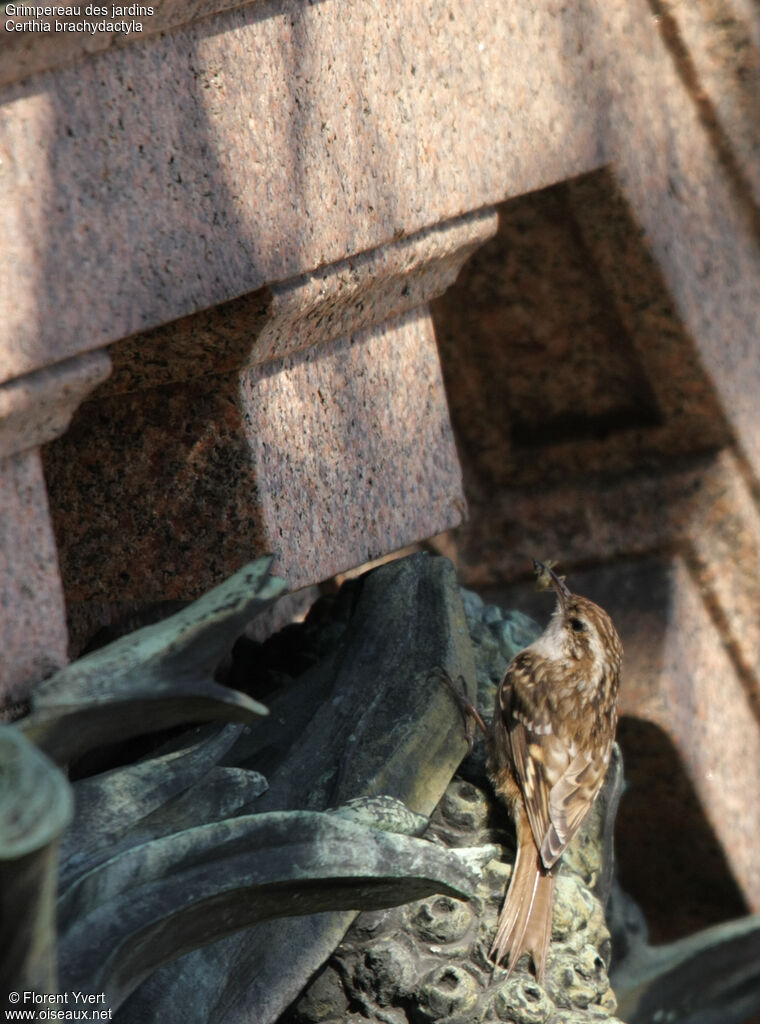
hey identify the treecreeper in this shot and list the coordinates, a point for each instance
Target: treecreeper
(549, 746)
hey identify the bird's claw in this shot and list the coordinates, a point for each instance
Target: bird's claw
(470, 713)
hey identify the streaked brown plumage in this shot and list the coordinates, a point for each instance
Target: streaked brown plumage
(549, 746)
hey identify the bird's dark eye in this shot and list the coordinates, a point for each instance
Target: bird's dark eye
(577, 625)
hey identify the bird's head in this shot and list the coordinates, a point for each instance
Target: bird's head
(579, 630)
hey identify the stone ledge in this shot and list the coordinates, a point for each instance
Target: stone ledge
(33, 410)
(38, 407)
(34, 637)
(289, 316)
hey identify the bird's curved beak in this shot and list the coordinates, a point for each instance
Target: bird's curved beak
(563, 591)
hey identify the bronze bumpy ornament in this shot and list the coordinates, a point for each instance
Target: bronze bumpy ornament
(549, 747)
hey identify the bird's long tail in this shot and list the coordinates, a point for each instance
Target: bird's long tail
(525, 922)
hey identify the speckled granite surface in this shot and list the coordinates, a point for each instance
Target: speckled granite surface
(590, 426)
(715, 45)
(33, 623)
(149, 181)
(682, 176)
(36, 408)
(289, 316)
(265, 141)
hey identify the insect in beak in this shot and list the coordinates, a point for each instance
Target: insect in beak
(563, 591)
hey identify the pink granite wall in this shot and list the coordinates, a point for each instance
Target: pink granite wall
(230, 165)
(34, 409)
(246, 212)
(163, 177)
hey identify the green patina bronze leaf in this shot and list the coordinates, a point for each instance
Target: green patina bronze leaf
(154, 678)
(150, 904)
(35, 808)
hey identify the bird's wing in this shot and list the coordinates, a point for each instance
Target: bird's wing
(570, 801)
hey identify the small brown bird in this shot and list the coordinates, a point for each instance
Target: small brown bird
(549, 746)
